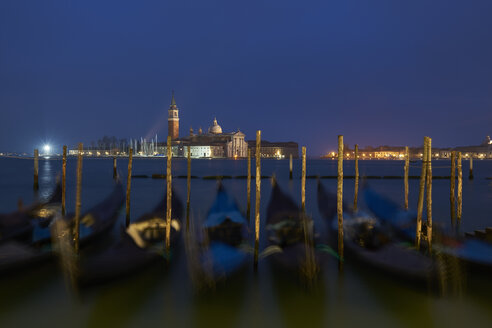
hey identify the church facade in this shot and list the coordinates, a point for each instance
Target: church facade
(212, 144)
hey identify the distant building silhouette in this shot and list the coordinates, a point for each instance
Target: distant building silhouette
(277, 149)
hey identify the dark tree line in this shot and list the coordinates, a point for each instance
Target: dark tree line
(110, 144)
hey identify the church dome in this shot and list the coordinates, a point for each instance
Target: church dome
(215, 129)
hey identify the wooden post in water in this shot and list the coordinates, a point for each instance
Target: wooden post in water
(36, 169)
(420, 204)
(429, 193)
(452, 186)
(64, 179)
(129, 185)
(115, 173)
(258, 191)
(77, 200)
(406, 169)
(248, 187)
(340, 198)
(460, 187)
(188, 190)
(290, 166)
(356, 184)
(470, 176)
(188, 181)
(303, 180)
(168, 194)
(309, 269)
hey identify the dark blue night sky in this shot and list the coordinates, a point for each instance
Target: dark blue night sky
(298, 70)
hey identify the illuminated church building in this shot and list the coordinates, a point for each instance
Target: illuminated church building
(213, 144)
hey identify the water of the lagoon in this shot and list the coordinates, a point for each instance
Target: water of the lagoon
(358, 297)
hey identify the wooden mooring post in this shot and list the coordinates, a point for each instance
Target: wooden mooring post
(129, 185)
(248, 187)
(420, 204)
(168, 194)
(452, 186)
(115, 170)
(78, 200)
(36, 169)
(290, 166)
(460, 187)
(429, 194)
(303, 180)
(64, 179)
(470, 176)
(356, 184)
(258, 192)
(406, 171)
(340, 199)
(188, 190)
(309, 269)
(188, 179)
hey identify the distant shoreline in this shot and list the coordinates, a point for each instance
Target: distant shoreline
(59, 157)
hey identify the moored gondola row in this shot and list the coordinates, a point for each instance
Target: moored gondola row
(379, 239)
(223, 247)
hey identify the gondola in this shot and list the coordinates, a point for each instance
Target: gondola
(18, 225)
(366, 240)
(476, 253)
(15, 255)
(219, 268)
(483, 235)
(290, 235)
(140, 245)
(295, 266)
(225, 238)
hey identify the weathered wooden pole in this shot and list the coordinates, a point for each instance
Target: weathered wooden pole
(340, 198)
(406, 169)
(188, 178)
(168, 193)
(129, 185)
(309, 269)
(303, 180)
(36, 169)
(64, 179)
(115, 173)
(470, 176)
(460, 187)
(290, 166)
(248, 187)
(188, 190)
(77, 199)
(429, 193)
(420, 204)
(452, 186)
(356, 185)
(258, 191)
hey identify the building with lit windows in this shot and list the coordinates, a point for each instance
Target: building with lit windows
(213, 144)
(278, 150)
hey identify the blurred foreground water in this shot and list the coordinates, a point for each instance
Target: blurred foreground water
(356, 297)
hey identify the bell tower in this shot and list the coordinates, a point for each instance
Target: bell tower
(173, 120)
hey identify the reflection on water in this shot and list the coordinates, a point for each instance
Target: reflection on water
(45, 177)
(178, 295)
